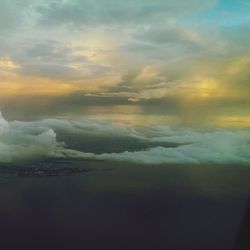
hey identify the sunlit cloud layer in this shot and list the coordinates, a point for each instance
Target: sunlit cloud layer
(175, 55)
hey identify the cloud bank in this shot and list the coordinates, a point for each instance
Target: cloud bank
(141, 49)
(55, 138)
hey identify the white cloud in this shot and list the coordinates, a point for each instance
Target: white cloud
(217, 147)
(22, 141)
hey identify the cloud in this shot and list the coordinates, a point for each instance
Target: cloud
(33, 141)
(50, 59)
(151, 82)
(219, 147)
(53, 60)
(115, 12)
(11, 15)
(134, 50)
(17, 144)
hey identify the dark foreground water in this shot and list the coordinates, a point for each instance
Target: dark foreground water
(125, 206)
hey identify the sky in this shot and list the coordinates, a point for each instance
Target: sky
(186, 60)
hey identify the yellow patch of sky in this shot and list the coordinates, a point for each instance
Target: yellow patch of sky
(238, 65)
(233, 121)
(99, 47)
(199, 88)
(39, 86)
(148, 73)
(15, 90)
(34, 86)
(7, 64)
(206, 87)
(129, 115)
